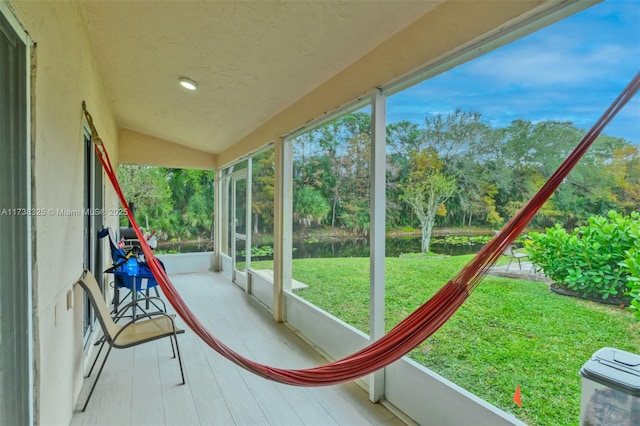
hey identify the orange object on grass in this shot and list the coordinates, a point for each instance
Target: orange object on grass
(517, 397)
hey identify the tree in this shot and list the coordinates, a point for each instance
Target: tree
(454, 135)
(309, 206)
(353, 167)
(621, 169)
(177, 202)
(147, 188)
(332, 181)
(403, 139)
(333, 160)
(193, 202)
(468, 149)
(263, 190)
(426, 190)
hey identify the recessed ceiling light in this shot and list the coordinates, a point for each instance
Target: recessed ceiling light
(187, 83)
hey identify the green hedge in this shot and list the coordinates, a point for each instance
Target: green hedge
(632, 265)
(592, 260)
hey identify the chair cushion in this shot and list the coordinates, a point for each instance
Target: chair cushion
(145, 331)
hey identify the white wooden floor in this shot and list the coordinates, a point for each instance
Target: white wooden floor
(140, 385)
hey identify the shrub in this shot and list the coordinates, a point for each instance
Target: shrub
(632, 265)
(590, 260)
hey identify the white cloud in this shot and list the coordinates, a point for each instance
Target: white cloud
(543, 65)
(570, 71)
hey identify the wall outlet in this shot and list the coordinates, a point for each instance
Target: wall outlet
(69, 300)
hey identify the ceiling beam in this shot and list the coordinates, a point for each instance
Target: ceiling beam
(141, 149)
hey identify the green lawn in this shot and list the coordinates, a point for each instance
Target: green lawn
(509, 332)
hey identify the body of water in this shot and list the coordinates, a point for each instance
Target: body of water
(359, 247)
(349, 247)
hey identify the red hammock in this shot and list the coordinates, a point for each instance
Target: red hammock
(419, 325)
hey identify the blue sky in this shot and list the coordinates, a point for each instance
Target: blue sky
(570, 71)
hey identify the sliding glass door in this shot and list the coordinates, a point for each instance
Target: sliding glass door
(15, 227)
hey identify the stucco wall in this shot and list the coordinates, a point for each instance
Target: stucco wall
(65, 75)
(137, 148)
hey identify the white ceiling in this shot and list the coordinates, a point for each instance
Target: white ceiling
(252, 59)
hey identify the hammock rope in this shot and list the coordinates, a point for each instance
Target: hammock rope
(414, 329)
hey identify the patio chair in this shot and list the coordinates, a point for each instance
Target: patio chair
(514, 253)
(157, 325)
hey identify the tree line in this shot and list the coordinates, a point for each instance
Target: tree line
(176, 203)
(484, 174)
(452, 170)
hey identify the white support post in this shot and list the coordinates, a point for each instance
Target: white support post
(377, 236)
(287, 215)
(217, 220)
(282, 232)
(249, 221)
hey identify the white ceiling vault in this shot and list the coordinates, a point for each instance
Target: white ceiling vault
(264, 66)
(251, 59)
